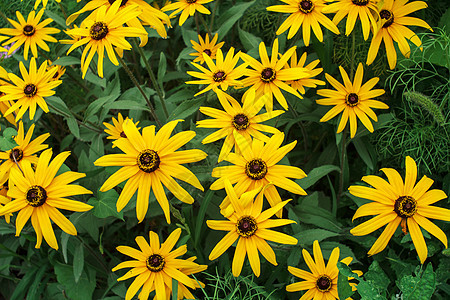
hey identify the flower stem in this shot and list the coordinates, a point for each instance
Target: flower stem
(205, 25)
(343, 158)
(352, 64)
(78, 118)
(136, 83)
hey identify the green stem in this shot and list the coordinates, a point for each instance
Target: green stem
(352, 64)
(78, 118)
(205, 25)
(211, 24)
(63, 10)
(99, 259)
(343, 158)
(136, 83)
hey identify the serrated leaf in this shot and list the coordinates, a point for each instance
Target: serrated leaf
(377, 275)
(419, 287)
(78, 262)
(343, 287)
(315, 175)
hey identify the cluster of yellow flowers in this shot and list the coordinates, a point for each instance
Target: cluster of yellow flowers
(151, 159)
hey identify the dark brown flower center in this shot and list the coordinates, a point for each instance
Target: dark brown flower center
(207, 52)
(360, 2)
(191, 1)
(219, 76)
(268, 75)
(30, 90)
(16, 155)
(148, 161)
(405, 206)
(98, 31)
(56, 75)
(306, 6)
(352, 99)
(122, 134)
(36, 196)
(155, 263)
(28, 30)
(324, 283)
(388, 16)
(246, 226)
(256, 169)
(240, 122)
(121, 4)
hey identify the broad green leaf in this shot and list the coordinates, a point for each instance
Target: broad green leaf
(23, 285)
(96, 105)
(343, 287)
(73, 126)
(363, 147)
(377, 275)
(445, 21)
(55, 17)
(307, 237)
(231, 16)
(36, 288)
(248, 40)
(7, 141)
(64, 243)
(78, 262)
(67, 60)
(81, 290)
(315, 175)
(105, 205)
(187, 108)
(58, 106)
(419, 287)
(162, 68)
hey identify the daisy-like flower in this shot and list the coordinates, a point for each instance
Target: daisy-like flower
(115, 131)
(305, 13)
(205, 46)
(353, 99)
(104, 31)
(187, 8)
(23, 153)
(309, 81)
(242, 120)
(155, 265)
(150, 161)
(269, 76)
(60, 70)
(321, 282)
(149, 16)
(250, 226)
(44, 3)
(31, 90)
(4, 199)
(38, 194)
(365, 10)
(221, 74)
(30, 33)
(399, 202)
(255, 167)
(394, 20)
(5, 105)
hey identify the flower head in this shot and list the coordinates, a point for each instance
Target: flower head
(249, 225)
(60, 70)
(30, 33)
(353, 99)
(4, 199)
(155, 265)
(205, 46)
(115, 131)
(309, 81)
(187, 8)
(399, 202)
(38, 195)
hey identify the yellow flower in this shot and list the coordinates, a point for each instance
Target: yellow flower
(23, 153)
(155, 265)
(242, 120)
(400, 203)
(365, 10)
(60, 70)
(353, 99)
(149, 16)
(105, 31)
(5, 105)
(309, 81)
(30, 33)
(205, 46)
(255, 167)
(4, 199)
(150, 161)
(221, 74)
(44, 2)
(268, 77)
(38, 194)
(394, 20)
(321, 282)
(31, 90)
(306, 13)
(188, 8)
(249, 225)
(115, 131)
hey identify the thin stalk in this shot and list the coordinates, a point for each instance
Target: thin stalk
(63, 10)
(79, 119)
(352, 65)
(196, 24)
(205, 25)
(213, 15)
(94, 254)
(136, 83)
(343, 158)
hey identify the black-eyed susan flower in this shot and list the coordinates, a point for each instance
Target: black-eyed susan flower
(221, 74)
(30, 33)
(155, 265)
(150, 161)
(365, 10)
(398, 202)
(394, 19)
(115, 130)
(38, 195)
(35, 85)
(187, 8)
(149, 16)
(23, 153)
(243, 120)
(353, 100)
(255, 167)
(205, 46)
(321, 282)
(249, 225)
(305, 13)
(60, 70)
(269, 76)
(309, 81)
(105, 31)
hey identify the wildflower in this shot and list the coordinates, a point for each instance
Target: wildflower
(187, 8)
(205, 46)
(38, 194)
(249, 225)
(4, 199)
(353, 99)
(115, 131)
(60, 70)
(309, 81)
(400, 203)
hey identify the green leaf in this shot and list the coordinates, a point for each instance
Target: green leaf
(7, 142)
(105, 205)
(73, 126)
(187, 108)
(377, 275)
(365, 151)
(58, 106)
(343, 287)
(444, 22)
(315, 175)
(67, 60)
(96, 105)
(307, 237)
(56, 17)
(201, 215)
(21, 288)
(248, 40)
(231, 16)
(162, 68)
(128, 104)
(78, 262)
(81, 290)
(38, 285)
(419, 287)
